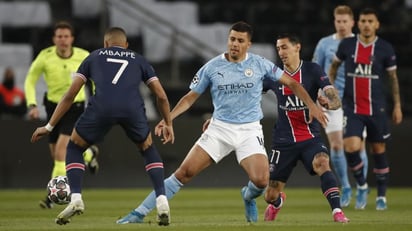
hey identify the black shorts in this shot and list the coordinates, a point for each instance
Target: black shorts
(66, 124)
(284, 158)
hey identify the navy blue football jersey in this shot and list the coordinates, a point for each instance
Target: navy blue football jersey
(117, 74)
(365, 68)
(292, 124)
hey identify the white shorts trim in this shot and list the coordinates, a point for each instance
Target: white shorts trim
(221, 138)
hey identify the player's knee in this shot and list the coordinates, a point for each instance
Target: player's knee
(321, 163)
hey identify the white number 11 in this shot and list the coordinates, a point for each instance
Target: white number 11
(121, 69)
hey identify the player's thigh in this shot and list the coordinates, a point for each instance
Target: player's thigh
(309, 151)
(92, 128)
(282, 161)
(354, 125)
(377, 129)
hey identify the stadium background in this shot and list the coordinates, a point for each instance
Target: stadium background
(177, 37)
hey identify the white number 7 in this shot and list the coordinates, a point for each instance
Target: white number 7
(121, 69)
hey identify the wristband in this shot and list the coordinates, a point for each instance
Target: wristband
(49, 127)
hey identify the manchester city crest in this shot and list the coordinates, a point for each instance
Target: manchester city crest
(249, 72)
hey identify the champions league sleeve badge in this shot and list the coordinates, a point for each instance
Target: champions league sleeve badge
(195, 80)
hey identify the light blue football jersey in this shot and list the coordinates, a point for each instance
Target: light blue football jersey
(236, 88)
(324, 53)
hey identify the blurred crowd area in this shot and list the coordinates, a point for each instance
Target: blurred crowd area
(28, 25)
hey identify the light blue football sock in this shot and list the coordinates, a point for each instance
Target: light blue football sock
(172, 185)
(341, 166)
(364, 157)
(252, 191)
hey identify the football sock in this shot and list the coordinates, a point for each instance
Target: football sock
(341, 167)
(252, 191)
(330, 189)
(172, 185)
(278, 202)
(75, 166)
(88, 155)
(154, 167)
(59, 168)
(356, 165)
(76, 196)
(381, 171)
(364, 157)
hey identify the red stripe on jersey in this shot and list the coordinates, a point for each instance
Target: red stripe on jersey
(154, 165)
(296, 76)
(300, 129)
(362, 86)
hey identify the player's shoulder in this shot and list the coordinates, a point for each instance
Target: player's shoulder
(310, 65)
(80, 52)
(51, 50)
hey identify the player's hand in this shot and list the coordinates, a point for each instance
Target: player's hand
(205, 125)
(316, 113)
(159, 128)
(39, 133)
(397, 115)
(323, 101)
(34, 113)
(167, 134)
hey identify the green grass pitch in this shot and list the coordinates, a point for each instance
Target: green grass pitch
(199, 209)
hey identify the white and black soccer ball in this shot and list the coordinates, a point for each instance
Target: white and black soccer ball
(58, 190)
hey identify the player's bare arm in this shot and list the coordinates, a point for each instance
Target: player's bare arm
(183, 105)
(301, 93)
(333, 70)
(397, 108)
(62, 107)
(163, 106)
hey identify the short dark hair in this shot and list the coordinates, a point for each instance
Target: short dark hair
(64, 25)
(242, 26)
(369, 11)
(293, 38)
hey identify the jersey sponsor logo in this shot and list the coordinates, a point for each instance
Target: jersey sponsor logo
(293, 103)
(235, 88)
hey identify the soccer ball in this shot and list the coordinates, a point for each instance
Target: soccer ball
(58, 190)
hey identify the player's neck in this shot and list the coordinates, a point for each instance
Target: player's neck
(342, 36)
(367, 39)
(292, 66)
(64, 53)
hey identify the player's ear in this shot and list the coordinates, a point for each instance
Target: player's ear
(126, 45)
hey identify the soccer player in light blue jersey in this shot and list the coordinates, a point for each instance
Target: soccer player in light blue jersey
(323, 55)
(235, 79)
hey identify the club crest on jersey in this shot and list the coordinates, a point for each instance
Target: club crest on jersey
(195, 80)
(249, 72)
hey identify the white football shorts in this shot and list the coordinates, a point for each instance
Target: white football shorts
(221, 138)
(335, 118)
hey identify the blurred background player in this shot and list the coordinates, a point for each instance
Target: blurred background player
(294, 136)
(117, 73)
(57, 64)
(367, 57)
(323, 55)
(12, 98)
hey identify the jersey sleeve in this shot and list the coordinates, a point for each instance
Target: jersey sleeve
(340, 54)
(321, 77)
(200, 81)
(390, 59)
(33, 75)
(272, 71)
